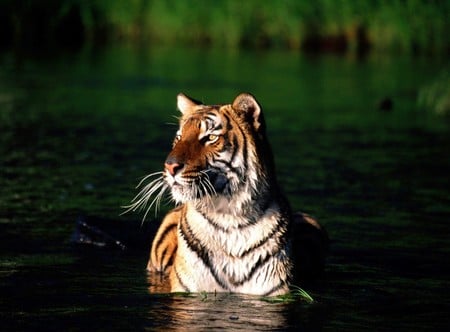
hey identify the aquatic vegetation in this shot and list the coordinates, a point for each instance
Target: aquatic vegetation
(294, 295)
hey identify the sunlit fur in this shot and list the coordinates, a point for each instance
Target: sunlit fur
(231, 229)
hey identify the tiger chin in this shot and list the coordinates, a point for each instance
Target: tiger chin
(233, 229)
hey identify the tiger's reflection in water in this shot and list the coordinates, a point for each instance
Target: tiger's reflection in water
(207, 311)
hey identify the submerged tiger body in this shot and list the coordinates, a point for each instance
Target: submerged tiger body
(233, 229)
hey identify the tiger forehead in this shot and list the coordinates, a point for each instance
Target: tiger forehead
(206, 120)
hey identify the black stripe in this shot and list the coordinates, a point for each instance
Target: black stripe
(236, 149)
(161, 260)
(213, 223)
(208, 123)
(186, 289)
(244, 148)
(171, 256)
(276, 229)
(229, 126)
(219, 127)
(167, 230)
(226, 146)
(275, 288)
(229, 163)
(195, 245)
(244, 142)
(226, 164)
(258, 265)
(211, 115)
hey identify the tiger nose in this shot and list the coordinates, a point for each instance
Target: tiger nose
(172, 166)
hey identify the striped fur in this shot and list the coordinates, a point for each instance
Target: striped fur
(232, 229)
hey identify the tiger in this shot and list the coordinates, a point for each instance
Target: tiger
(232, 229)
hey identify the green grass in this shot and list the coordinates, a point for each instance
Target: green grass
(294, 295)
(401, 25)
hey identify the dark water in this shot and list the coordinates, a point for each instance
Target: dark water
(77, 132)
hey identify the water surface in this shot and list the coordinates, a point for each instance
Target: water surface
(78, 131)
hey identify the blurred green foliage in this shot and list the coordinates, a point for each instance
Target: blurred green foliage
(406, 25)
(435, 96)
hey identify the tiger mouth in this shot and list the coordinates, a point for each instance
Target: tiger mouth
(208, 183)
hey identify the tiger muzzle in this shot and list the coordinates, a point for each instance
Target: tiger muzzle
(172, 165)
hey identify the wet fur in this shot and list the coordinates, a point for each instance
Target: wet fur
(233, 229)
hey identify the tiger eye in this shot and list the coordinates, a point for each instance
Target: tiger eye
(212, 137)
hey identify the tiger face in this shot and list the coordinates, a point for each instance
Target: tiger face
(213, 154)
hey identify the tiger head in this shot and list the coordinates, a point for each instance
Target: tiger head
(219, 152)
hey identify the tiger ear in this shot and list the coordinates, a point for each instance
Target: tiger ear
(247, 105)
(186, 104)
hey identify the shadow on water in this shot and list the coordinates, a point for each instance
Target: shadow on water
(79, 131)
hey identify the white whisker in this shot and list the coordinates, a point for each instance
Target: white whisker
(207, 188)
(141, 201)
(148, 176)
(156, 201)
(212, 190)
(210, 185)
(208, 197)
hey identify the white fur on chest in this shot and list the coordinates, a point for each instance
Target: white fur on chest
(226, 236)
(234, 253)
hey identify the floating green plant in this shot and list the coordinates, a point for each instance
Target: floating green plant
(294, 295)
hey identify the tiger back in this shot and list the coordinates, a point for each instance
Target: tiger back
(232, 229)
